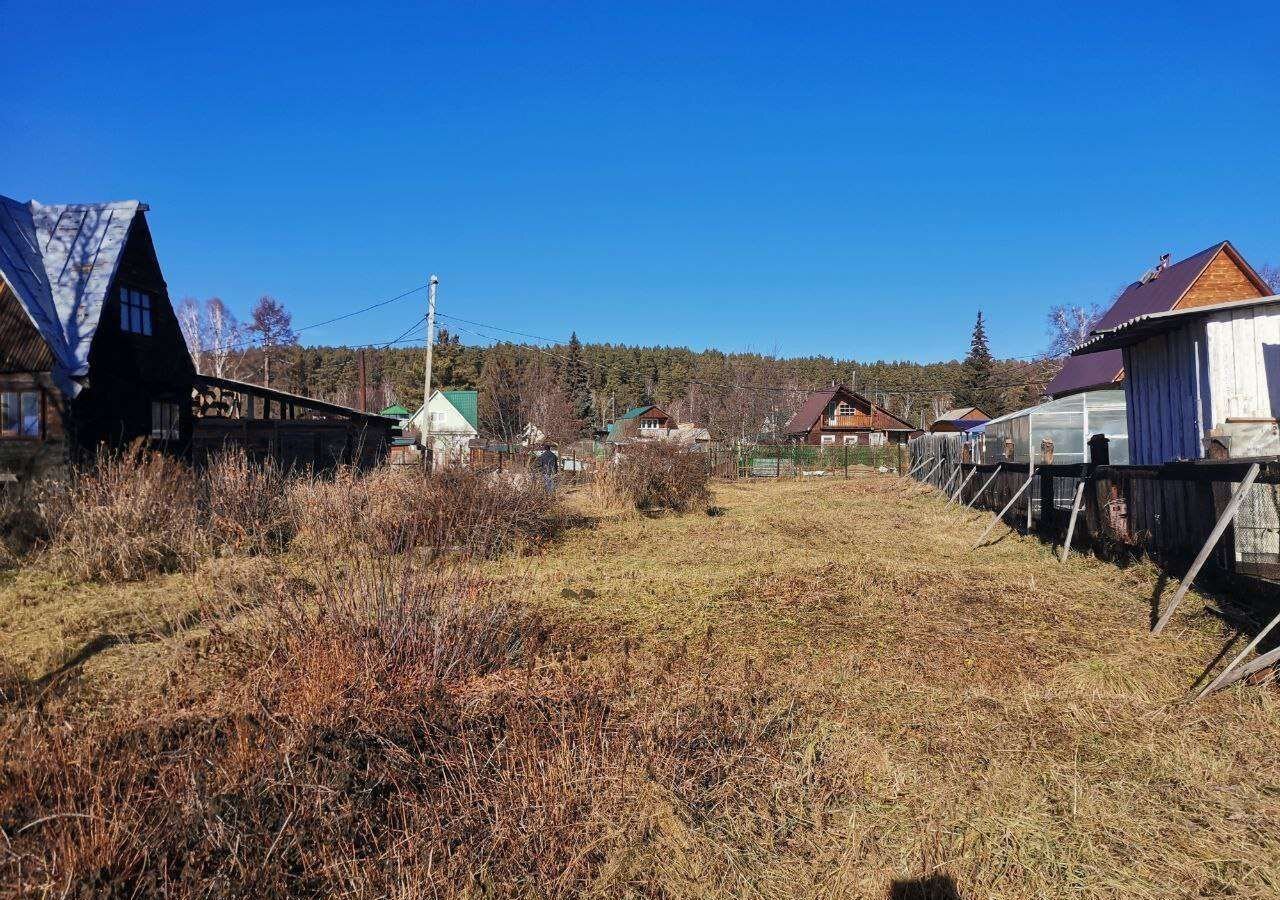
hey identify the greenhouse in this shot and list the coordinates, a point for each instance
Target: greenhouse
(1069, 422)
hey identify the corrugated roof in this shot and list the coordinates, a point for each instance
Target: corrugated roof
(635, 412)
(1142, 327)
(59, 260)
(963, 413)
(465, 402)
(1158, 295)
(396, 410)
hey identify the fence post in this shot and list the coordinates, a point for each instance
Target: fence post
(846, 460)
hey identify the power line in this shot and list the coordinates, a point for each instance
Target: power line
(249, 342)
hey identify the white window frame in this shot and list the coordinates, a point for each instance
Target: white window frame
(827, 438)
(850, 439)
(878, 439)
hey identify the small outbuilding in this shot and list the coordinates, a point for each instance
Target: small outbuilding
(961, 419)
(1198, 373)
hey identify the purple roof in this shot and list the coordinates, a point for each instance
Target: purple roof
(1161, 294)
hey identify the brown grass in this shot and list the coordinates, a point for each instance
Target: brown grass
(654, 475)
(820, 693)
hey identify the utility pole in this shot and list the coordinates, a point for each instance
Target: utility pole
(426, 381)
(364, 384)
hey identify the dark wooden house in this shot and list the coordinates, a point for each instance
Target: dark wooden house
(840, 416)
(90, 348)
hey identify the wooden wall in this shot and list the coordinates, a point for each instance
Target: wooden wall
(1244, 364)
(1161, 390)
(1221, 281)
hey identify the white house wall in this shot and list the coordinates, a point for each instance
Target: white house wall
(1244, 356)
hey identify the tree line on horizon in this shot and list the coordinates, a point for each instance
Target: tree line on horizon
(569, 389)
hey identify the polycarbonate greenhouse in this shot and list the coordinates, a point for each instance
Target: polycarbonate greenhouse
(1069, 422)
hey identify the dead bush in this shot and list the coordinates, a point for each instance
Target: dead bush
(656, 475)
(23, 525)
(248, 507)
(454, 511)
(128, 515)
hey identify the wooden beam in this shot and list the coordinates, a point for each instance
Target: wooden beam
(1000, 515)
(985, 485)
(926, 478)
(918, 467)
(1223, 521)
(952, 477)
(960, 490)
(1222, 677)
(1071, 524)
(1262, 662)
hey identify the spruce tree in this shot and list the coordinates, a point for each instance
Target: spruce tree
(574, 380)
(977, 385)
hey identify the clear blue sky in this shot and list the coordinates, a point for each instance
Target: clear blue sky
(779, 177)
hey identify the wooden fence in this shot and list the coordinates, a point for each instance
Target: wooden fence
(1166, 511)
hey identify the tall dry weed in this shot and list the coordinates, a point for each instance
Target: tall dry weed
(655, 475)
(130, 514)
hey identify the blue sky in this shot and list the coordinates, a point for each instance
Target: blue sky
(779, 177)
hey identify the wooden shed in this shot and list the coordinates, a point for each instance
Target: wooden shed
(1208, 371)
(1204, 383)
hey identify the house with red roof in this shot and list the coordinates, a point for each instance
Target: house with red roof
(838, 415)
(1217, 274)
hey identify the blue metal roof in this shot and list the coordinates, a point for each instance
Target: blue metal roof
(59, 261)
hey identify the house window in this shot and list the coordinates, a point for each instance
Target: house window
(437, 420)
(844, 408)
(851, 439)
(828, 439)
(135, 311)
(879, 439)
(20, 414)
(165, 420)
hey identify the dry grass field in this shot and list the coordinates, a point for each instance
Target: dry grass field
(819, 691)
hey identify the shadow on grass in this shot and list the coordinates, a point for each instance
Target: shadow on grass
(935, 887)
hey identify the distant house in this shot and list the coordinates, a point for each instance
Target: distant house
(454, 422)
(840, 416)
(1215, 275)
(399, 413)
(961, 419)
(90, 348)
(642, 422)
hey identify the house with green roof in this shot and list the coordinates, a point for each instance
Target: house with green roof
(453, 417)
(644, 422)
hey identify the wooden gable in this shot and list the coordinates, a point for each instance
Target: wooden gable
(22, 347)
(1227, 277)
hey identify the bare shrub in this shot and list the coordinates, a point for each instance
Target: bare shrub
(23, 525)
(455, 510)
(658, 475)
(130, 514)
(248, 507)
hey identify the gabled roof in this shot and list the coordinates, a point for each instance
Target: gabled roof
(963, 413)
(1160, 294)
(60, 260)
(465, 402)
(814, 405)
(637, 411)
(1140, 328)
(396, 410)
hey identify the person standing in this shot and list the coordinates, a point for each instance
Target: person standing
(548, 463)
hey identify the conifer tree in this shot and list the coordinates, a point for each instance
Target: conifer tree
(977, 385)
(574, 380)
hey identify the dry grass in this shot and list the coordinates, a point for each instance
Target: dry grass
(820, 693)
(653, 475)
